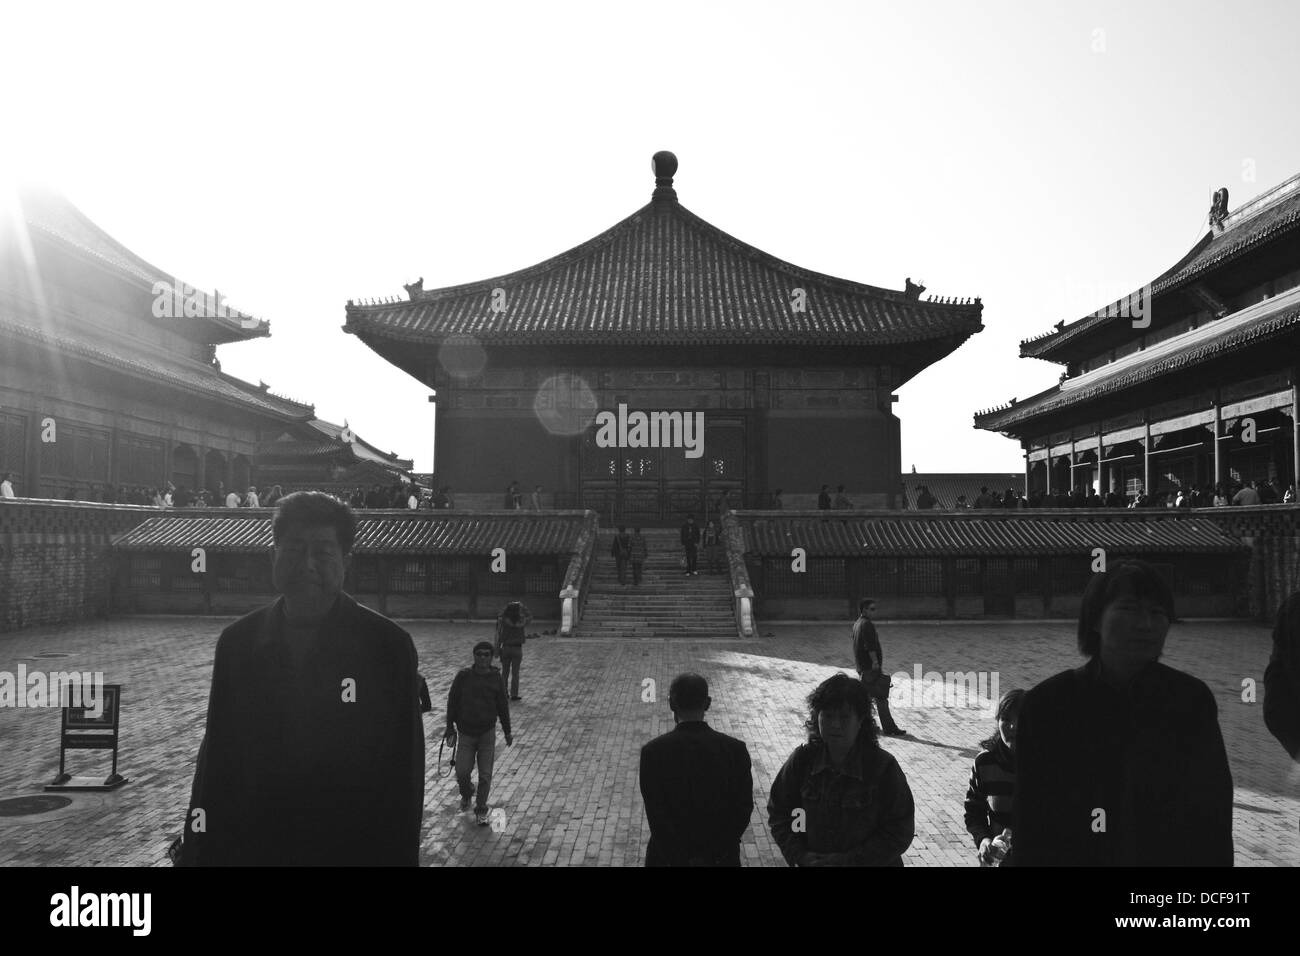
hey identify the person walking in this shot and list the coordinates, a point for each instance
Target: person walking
(713, 546)
(536, 497)
(869, 661)
(697, 785)
(476, 700)
(691, 542)
(639, 553)
(7, 485)
(512, 626)
(621, 550)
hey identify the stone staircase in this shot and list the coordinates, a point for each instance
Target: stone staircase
(667, 603)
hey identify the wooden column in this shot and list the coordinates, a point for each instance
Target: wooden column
(1073, 483)
(1218, 430)
(1146, 458)
(1025, 446)
(1048, 462)
(1295, 426)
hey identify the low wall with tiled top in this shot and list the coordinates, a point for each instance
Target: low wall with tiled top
(56, 560)
(1273, 533)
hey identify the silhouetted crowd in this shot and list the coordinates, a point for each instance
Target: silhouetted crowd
(1194, 496)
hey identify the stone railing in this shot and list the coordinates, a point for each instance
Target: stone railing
(573, 596)
(742, 592)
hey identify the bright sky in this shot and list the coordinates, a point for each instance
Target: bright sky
(1044, 156)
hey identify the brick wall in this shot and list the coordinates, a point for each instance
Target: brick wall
(1273, 533)
(55, 561)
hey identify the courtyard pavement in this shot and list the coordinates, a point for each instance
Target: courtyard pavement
(567, 792)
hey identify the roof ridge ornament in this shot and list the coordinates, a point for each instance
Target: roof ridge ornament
(664, 165)
(1219, 209)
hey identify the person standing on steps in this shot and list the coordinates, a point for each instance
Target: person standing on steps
(639, 553)
(476, 699)
(512, 625)
(621, 549)
(869, 661)
(691, 542)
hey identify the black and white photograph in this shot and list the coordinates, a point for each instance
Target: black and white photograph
(583, 436)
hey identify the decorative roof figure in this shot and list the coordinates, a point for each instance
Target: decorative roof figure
(911, 290)
(1219, 208)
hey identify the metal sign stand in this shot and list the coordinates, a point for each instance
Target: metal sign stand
(81, 731)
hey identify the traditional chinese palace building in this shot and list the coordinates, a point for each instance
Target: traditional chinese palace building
(108, 375)
(1191, 380)
(791, 373)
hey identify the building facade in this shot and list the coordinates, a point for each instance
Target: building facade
(1190, 381)
(650, 369)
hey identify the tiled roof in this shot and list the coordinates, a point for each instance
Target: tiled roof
(1276, 218)
(52, 214)
(664, 276)
(1010, 534)
(361, 448)
(448, 533)
(1280, 325)
(157, 367)
(948, 486)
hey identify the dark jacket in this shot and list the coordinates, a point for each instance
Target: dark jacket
(1151, 756)
(512, 631)
(698, 792)
(621, 546)
(289, 771)
(690, 535)
(864, 814)
(824, 501)
(476, 700)
(1282, 679)
(866, 640)
(990, 794)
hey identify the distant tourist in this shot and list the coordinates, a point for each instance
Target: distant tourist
(982, 500)
(839, 799)
(777, 505)
(251, 500)
(513, 497)
(7, 485)
(621, 551)
(440, 500)
(824, 499)
(690, 537)
(713, 546)
(200, 500)
(962, 504)
(512, 631)
(413, 499)
(924, 500)
(313, 753)
(869, 661)
(1282, 679)
(842, 502)
(476, 700)
(639, 554)
(273, 496)
(1288, 496)
(1247, 495)
(991, 791)
(1120, 762)
(536, 497)
(697, 785)
(232, 499)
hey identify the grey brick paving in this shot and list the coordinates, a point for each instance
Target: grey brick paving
(567, 790)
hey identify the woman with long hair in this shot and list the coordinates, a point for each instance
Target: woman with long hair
(1120, 762)
(991, 792)
(841, 800)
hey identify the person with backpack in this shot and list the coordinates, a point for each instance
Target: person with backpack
(511, 625)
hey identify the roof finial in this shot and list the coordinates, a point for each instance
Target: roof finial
(664, 164)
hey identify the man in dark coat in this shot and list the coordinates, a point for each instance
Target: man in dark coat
(697, 785)
(313, 753)
(476, 699)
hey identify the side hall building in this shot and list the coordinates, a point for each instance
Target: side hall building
(1190, 381)
(109, 377)
(763, 375)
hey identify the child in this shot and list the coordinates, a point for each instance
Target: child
(993, 782)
